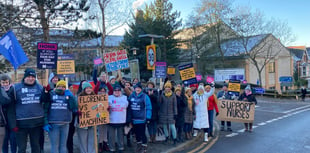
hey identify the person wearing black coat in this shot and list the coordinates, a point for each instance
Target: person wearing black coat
(152, 125)
(181, 104)
(248, 97)
(303, 93)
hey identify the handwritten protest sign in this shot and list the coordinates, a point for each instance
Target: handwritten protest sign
(236, 111)
(116, 60)
(66, 64)
(187, 73)
(94, 110)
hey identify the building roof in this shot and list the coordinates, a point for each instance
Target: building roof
(237, 46)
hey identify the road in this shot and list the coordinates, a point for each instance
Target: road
(279, 127)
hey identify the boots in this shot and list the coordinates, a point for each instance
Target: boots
(206, 137)
(195, 133)
(128, 142)
(139, 147)
(246, 127)
(144, 148)
(154, 138)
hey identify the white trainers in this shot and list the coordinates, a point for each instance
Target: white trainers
(195, 133)
(206, 137)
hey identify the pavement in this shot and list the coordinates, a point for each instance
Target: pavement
(194, 144)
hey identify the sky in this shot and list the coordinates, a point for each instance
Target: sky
(294, 12)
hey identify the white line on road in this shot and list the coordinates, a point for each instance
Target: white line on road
(270, 121)
(298, 108)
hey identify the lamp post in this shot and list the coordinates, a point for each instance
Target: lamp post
(134, 51)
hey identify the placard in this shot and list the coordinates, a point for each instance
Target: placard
(160, 69)
(150, 57)
(210, 79)
(94, 110)
(198, 77)
(47, 55)
(235, 87)
(116, 60)
(171, 70)
(187, 73)
(66, 65)
(236, 111)
(98, 61)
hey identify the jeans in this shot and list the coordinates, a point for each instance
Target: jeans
(2, 135)
(172, 128)
(139, 130)
(211, 116)
(227, 122)
(116, 132)
(102, 133)
(58, 137)
(70, 135)
(188, 127)
(86, 139)
(22, 136)
(152, 128)
(10, 137)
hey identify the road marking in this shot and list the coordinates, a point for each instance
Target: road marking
(231, 135)
(298, 108)
(261, 124)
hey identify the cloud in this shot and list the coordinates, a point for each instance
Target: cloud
(137, 3)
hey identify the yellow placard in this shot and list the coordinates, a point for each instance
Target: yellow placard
(236, 111)
(187, 74)
(65, 67)
(234, 87)
(150, 57)
(171, 70)
(94, 110)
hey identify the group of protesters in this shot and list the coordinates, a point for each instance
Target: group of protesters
(27, 109)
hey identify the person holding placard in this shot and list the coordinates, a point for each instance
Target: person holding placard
(248, 97)
(58, 108)
(140, 113)
(223, 94)
(118, 104)
(212, 104)
(201, 108)
(86, 135)
(152, 126)
(181, 106)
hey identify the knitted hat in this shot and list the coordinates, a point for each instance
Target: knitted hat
(168, 85)
(193, 85)
(117, 87)
(177, 89)
(61, 83)
(30, 72)
(138, 85)
(187, 89)
(111, 77)
(152, 83)
(86, 84)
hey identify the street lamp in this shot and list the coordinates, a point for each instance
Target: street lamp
(134, 51)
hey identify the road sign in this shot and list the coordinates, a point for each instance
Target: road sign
(286, 79)
(47, 55)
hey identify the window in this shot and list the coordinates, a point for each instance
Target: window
(271, 67)
(304, 71)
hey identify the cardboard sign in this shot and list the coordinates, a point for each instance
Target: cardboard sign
(171, 71)
(116, 60)
(160, 69)
(236, 111)
(47, 55)
(235, 87)
(150, 57)
(187, 73)
(66, 64)
(98, 61)
(94, 109)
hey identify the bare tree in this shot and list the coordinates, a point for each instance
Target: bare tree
(253, 28)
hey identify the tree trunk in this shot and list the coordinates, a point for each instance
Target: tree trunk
(43, 21)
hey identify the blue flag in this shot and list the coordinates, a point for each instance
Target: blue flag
(11, 50)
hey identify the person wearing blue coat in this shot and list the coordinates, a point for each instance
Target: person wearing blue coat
(139, 113)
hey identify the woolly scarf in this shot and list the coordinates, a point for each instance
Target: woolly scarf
(189, 102)
(6, 88)
(168, 94)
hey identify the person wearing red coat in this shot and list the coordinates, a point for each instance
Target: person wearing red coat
(212, 103)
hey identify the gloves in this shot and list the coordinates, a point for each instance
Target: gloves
(47, 127)
(79, 113)
(212, 84)
(217, 114)
(47, 88)
(109, 108)
(68, 93)
(15, 129)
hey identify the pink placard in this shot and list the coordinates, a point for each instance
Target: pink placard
(198, 77)
(210, 79)
(98, 61)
